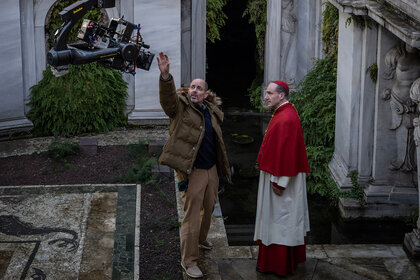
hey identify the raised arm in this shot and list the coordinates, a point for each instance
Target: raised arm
(167, 92)
(163, 63)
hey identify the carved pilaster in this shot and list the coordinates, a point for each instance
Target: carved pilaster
(412, 239)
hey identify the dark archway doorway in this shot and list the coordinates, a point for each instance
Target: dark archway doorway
(231, 60)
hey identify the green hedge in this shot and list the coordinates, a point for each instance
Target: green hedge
(90, 98)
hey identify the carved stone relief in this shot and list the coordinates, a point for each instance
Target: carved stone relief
(415, 96)
(403, 66)
(288, 37)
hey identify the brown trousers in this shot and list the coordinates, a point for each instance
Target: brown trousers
(199, 201)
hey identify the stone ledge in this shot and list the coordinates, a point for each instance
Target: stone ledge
(351, 208)
(395, 23)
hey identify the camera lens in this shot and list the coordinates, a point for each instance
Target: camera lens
(144, 60)
(59, 58)
(129, 52)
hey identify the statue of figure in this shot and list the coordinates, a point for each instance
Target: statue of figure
(405, 71)
(415, 96)
(288, 31)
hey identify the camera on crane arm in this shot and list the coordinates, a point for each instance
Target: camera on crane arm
(102, 44)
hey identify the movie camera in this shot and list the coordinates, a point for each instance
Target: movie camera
(106, 45)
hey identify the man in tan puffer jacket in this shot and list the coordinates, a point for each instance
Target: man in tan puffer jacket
(195, 149)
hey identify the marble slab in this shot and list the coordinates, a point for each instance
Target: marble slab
(67, 232)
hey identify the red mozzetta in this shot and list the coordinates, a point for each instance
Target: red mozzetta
(282, 151)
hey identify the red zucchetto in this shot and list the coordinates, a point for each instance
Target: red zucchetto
(282, 84)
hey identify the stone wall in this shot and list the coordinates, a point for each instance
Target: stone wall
(374, 118)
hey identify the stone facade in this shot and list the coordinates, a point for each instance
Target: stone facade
(175, 27)
(377, 119)
(374, 120)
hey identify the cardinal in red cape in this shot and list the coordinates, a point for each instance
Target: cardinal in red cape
(282, 218)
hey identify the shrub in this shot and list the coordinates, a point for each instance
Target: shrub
(58, 150)
(141, 172)
(89, 98)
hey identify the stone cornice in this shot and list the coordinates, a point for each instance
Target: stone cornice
(388, 16)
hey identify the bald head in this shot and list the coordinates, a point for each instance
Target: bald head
(197, 91)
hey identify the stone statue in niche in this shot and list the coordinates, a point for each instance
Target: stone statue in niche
(288, 42)
(415, 96)
(402, 65)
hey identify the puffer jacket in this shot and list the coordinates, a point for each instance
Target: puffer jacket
(186, 129)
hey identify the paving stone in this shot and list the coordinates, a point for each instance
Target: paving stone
(328, 271)
(155, 147)
(88, 146)
(161, 170)
(233, 269)
(401, 269)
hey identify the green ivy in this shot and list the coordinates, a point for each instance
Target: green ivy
(314, 100)
(373, 72)
(356, 192)
(330, 29)
(215, 19)
(89, 98)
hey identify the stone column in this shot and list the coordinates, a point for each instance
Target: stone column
(198, 39)
(186, 42)
(41, 8)
(412, 239)
(28, 47)
(292, 39)
(349, 72)
(367, 105)
(14, 24)
(308, 42)
(272, 59)
(193, 40)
